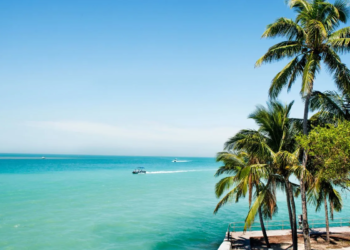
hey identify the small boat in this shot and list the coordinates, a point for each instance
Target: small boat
(139, 170)
(175, 160)
(43, 157)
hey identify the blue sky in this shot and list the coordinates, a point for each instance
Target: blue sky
(134, 77)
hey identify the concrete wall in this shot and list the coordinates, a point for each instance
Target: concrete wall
(226, 245)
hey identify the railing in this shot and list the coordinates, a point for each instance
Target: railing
(285, 224)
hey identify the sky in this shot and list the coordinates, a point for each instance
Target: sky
(135, 77)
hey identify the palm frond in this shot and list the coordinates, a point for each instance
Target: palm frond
(340, 40)
(227, 198)
(342, 7)
(264, 199)
(280, 51)
(284, 27)
(227, 169)
(252, 141)
(330, 16)
(224, 184)
(299, 5)
(234, 162)
(342, 78)
(269, 205)
(330, 104)
(287, 76)
(316, 30)
(311, 68)
(336, 200)
(331, 59)
(286, 159)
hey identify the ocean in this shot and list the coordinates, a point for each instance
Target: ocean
(95, 202)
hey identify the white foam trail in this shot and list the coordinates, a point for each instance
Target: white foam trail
(171, 172)
(176, 171)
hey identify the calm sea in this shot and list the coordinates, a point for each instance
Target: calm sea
(94, 202)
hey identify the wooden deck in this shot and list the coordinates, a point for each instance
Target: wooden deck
(241, 240)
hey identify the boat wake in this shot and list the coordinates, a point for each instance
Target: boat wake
(175, 171)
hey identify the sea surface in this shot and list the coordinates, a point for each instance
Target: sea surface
(95, 202)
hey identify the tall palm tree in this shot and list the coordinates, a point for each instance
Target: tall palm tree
(311, 39)
(273, 144)
(247, 175)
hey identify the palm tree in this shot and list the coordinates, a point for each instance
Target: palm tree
(247, 175)
(323, 190)
(311, 39)
(283, 165)
(273, 144)
(333, 107)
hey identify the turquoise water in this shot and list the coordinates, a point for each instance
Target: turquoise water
(91, 202)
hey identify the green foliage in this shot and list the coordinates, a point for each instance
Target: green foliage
(245, 175)
(329, 149)
(310, 39)
(260, 161)
(331, 105)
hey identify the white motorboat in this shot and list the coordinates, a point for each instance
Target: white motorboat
(139, 170)
(175, 160)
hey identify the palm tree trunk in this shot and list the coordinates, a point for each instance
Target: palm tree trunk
(294, 216)
(262, 225)
(327, 220)
(307, 244)
(295, 244)
(263, 229)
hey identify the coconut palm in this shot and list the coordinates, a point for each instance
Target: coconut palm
(273, 144)
(283, 164)
(311, 39)
(247, 175)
